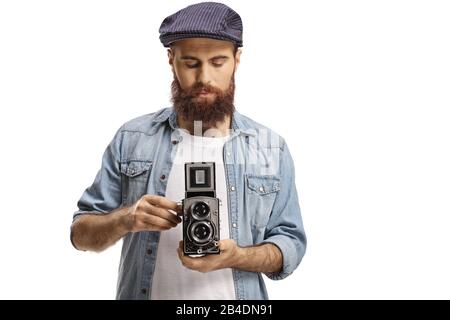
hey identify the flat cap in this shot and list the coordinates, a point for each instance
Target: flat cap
(202, 20)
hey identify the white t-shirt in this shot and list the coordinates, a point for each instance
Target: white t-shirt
(171, 280)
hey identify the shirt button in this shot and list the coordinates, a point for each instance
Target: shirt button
(261, 189)
(228, 154)
(149, 251)
(232, 188)
(163, 177)
(234, 225)
(174, 142)
(144, 291)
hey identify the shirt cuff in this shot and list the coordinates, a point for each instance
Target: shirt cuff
(289, 253)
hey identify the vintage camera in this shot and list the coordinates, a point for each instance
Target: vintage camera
(200, 209)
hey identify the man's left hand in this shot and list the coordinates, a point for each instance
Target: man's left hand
(226, 259)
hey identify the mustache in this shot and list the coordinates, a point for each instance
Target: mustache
(198, 87)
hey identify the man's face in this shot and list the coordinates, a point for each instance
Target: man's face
(203, 87)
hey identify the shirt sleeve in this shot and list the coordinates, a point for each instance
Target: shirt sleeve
(105, 193)
(285, 226)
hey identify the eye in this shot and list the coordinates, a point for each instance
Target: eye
(218, 62)
(192, 65)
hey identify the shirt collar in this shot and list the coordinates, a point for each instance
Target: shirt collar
(238, 123)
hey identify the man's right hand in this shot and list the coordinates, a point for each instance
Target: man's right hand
(151, 213)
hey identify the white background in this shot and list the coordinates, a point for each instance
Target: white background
(359, 89)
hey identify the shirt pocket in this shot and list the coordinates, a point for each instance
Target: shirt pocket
(260, 194)
(135, 177)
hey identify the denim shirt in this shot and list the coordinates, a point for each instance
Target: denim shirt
(263, 205)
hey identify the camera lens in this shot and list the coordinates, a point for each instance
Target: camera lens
(201, 231)
(200, 210)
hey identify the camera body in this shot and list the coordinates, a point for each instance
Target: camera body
(201, 233)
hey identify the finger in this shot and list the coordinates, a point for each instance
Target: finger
(222, 245)
(162, 202)
(160, 212)
(180, 253)
(165, 214)
(201, 264)
(148, 217)
(154, 221)
(185, 260)
(178, 211)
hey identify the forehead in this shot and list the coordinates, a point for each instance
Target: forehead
(203, 46)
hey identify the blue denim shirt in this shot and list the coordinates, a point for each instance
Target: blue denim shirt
(263, 204)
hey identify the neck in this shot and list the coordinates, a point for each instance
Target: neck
(198, 128)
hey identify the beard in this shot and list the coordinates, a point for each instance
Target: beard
(192, 108)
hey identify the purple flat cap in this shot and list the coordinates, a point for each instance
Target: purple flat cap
(202, 20)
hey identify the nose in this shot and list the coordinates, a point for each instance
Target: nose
(204, 75)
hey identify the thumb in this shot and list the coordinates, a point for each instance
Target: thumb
(226, 244)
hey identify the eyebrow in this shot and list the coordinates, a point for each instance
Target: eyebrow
(194, 58)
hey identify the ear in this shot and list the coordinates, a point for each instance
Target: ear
(237, 59)
(170, 56)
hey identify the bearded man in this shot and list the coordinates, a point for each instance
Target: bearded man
(137, 192)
